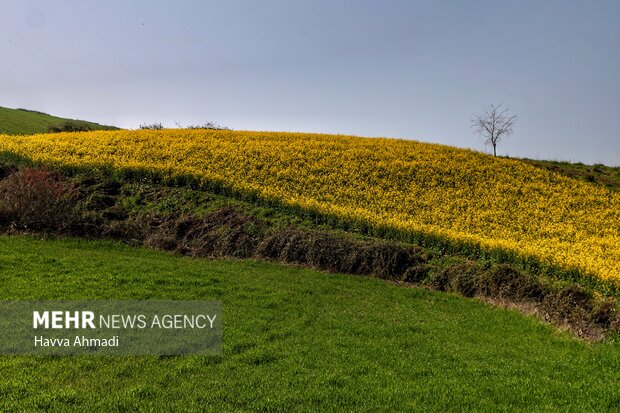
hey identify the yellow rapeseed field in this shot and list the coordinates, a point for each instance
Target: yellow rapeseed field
(410, 186)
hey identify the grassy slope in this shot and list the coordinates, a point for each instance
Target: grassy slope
(607, 176)
(25, 122)
(297, 339)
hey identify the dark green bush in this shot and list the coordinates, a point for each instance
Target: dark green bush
(505, 282)
(70, 126)
(462, 277)
(328, 251)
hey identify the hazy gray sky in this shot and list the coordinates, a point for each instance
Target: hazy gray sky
(407, 69)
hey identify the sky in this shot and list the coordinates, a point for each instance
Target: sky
(404, 69)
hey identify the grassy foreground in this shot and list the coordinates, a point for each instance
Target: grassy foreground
(296, 339)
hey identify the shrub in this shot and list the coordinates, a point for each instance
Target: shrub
(70, 126)
(416, 273)
(37, 199)
(96, 208)
(465, 278)
(333, 252)
(604, 313)
(207, 125)
(504, 281)
(152, 126)
(571, 303)
(460, 278)
(224, 232)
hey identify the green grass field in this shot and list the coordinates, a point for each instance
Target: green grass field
(296, 339)
(27, 122)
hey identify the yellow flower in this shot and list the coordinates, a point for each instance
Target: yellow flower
(412, 187)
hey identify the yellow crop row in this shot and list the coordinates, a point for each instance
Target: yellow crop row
(453, 193)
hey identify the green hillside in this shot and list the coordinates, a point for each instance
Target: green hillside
(27, 122)
(296, 339)
(607, 176)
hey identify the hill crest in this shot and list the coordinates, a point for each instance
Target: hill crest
(27, 122)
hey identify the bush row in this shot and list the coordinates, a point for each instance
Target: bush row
(569, 305)
(39, 200)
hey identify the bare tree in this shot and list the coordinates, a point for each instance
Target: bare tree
(494, 124)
